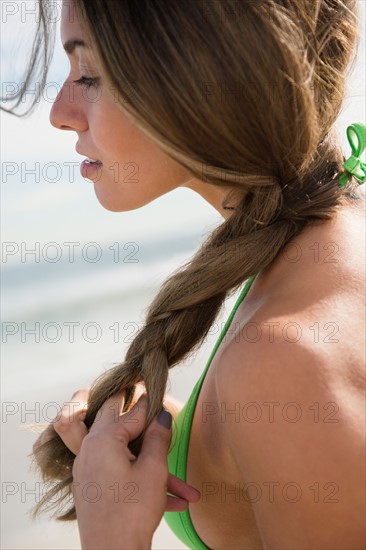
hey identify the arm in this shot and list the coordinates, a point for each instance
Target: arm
(305, 451)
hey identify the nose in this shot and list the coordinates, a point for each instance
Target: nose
(67, 111)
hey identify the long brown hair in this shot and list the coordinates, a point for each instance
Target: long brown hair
(243, 94)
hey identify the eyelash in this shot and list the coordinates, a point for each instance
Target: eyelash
(87, 82)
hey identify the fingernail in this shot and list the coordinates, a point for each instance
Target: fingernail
(165, 419)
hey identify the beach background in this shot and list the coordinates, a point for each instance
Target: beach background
(76, 279)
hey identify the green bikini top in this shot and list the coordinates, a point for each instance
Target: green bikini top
(180, 522)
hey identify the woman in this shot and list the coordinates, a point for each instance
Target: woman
(236, 101)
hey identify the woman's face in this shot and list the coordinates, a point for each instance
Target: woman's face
(133, 170)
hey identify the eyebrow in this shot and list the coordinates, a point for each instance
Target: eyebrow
(70, 45)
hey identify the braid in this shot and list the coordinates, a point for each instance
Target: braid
(187, 304)
(279, 195)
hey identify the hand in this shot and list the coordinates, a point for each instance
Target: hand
(71, 429)
(69, 423)
(120, 499)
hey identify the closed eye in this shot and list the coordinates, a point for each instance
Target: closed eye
(87, 81)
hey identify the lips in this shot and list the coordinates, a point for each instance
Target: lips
(91, 161)
(91, 170)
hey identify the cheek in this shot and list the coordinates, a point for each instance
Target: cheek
(135, 170)
(128, 153)
(114, 136)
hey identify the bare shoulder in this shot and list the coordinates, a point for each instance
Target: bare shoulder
(298, 440)
(297, 370)
(310, 306)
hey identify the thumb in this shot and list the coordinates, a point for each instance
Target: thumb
(156, 441)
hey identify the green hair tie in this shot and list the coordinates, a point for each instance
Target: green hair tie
(354, 166)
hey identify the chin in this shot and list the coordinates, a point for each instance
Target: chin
(122, 204)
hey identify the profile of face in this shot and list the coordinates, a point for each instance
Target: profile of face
(132, 170)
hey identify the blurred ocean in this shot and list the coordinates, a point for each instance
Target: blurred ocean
(54, 276)
(77, 279)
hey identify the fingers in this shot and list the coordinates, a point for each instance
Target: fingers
(69, 424)
(154, 450)
(153, 455)
(110, 412)
(181, 495)
(181, 489)
(128, 426)
(175, 504)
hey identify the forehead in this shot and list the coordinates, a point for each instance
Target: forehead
(70, 26)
